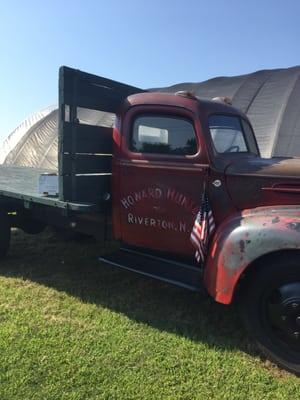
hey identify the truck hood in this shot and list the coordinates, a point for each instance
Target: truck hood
(254, 182)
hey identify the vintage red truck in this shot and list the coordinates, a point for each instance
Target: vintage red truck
(143, 180)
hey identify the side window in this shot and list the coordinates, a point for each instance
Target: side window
(163, 135)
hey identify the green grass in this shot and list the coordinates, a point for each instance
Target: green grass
(71, 328)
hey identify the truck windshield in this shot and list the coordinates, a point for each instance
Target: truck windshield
(231, 134)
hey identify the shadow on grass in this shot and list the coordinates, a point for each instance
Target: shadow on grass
(73, 268)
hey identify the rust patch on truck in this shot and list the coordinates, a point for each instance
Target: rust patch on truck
(275, 220)
(242, 246)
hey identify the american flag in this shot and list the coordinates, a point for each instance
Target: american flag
(204, 226)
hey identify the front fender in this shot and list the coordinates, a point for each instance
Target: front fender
(242, 239)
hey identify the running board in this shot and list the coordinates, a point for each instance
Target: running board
(173, 272)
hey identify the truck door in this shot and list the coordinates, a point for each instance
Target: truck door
(162, 171)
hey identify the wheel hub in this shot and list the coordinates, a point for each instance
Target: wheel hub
(283, 314)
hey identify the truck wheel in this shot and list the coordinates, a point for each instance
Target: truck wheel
(271, 310)
(4, 234)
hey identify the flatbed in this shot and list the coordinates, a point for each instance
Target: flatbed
(21, 184)
(84, 151)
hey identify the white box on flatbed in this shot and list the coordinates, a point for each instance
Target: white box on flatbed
(48, 185)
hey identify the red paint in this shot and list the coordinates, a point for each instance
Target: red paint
(159, 194)
(156, 196)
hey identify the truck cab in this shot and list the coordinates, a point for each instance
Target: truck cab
(167, 147)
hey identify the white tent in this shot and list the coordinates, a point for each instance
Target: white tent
(270, 98)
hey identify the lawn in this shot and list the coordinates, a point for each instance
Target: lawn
(72, 328)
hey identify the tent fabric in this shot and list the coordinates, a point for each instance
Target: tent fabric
(38, 147)
(270, 98)
(17, 134)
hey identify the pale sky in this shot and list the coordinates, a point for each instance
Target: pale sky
(143, 43)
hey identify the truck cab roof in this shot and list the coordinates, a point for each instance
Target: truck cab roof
(179, 100)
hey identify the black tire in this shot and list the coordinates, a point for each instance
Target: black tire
(4, 234)
(271, 309)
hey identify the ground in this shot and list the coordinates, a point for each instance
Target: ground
(71, 328)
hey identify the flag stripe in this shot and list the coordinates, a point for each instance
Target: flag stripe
(203, 227)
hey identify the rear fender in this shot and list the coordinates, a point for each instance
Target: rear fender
(242, 239)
